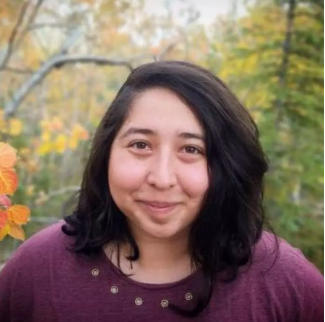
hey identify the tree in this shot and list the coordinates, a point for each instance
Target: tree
(273, 59)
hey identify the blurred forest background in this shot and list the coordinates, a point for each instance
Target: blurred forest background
(62, 62)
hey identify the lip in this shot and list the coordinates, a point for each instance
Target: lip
(158, 207)
(159, 204)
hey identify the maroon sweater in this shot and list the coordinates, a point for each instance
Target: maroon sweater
(43, 282)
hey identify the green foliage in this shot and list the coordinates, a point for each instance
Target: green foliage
(287, 81)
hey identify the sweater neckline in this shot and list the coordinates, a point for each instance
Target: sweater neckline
(108, 263)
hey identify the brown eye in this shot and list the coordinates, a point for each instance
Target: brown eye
(192, 150)
(139, 145)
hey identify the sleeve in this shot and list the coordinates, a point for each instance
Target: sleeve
(27, 281)
(15, 291)
(312, 283)
(294, 286)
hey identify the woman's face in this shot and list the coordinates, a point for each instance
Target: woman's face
(157, 171)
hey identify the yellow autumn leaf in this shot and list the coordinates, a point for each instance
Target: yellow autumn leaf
(15, 127)
(79, 132)
(18, 214)
(44, 148)
(46, 136)
(4, 231)
(73, 143)
(60, 143)
(16, 231)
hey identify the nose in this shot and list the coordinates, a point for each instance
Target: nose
(161, 173)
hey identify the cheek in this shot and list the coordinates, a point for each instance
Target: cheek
(124, 174)
(195, 181)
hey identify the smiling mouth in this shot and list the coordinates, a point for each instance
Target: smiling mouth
(158, 207)
(159, 204)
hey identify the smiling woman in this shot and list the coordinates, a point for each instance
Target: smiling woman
(169, 223)
(157, 171)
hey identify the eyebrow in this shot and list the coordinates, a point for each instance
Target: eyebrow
(136, 130)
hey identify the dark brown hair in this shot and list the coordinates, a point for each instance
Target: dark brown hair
(231, 219)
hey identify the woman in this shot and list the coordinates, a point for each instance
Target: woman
(169, 221)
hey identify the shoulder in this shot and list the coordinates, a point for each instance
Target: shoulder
(288, 277)
(26, 278)
(39, 249)
(51, 236)
(275, 255)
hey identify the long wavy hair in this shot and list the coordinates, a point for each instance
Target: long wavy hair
(231, 218)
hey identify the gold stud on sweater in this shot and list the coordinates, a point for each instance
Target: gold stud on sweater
(114, 289)
(138, 301)
(95, 272)
(164, 303)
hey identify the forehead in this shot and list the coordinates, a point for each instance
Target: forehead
(162, 108)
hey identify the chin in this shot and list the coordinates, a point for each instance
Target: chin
(163, 231)
(161, 235)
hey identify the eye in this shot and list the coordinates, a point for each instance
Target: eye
(140, 145)
(192, 150)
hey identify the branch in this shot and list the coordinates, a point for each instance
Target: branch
(41, 44)
(58, 62)
(61, 59)
(63, 191)
(165, 51)
(29, 22)
(14, 34)
(70, 41)
(46, 25)
(181, 35)
(285, 57)
(18, 70)
(172, 45)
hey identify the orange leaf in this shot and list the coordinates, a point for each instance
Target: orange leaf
(4, 231)
(5, 201)
(8, 156)
(16, 231)
(8, 181)
(3, 218)
(18, 214)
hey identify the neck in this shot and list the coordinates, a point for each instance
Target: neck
(160, 261)
(162, 253)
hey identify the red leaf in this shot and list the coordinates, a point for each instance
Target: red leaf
(5, 201)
